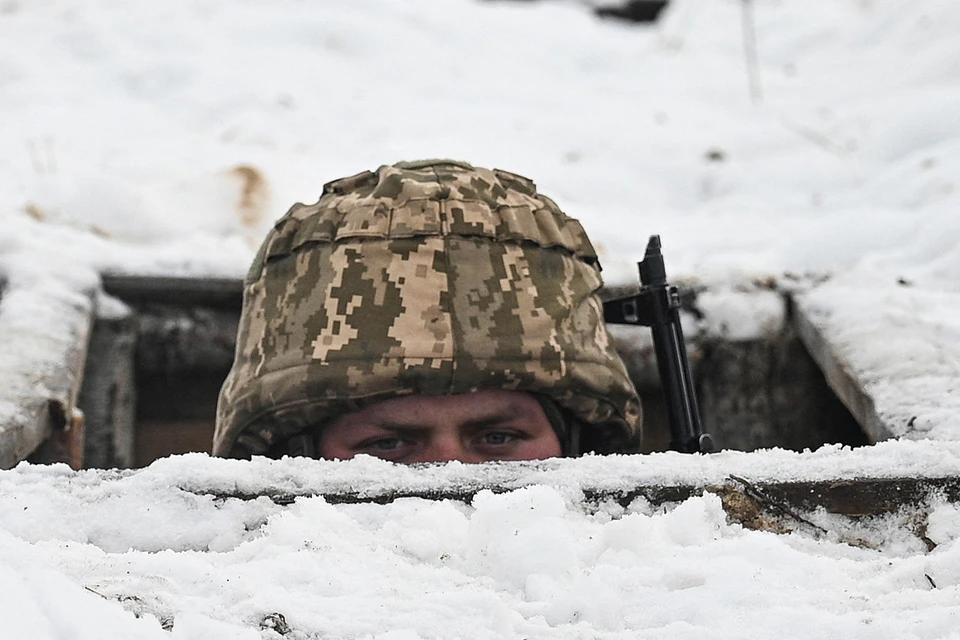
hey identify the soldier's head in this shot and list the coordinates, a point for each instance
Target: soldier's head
(426, 311)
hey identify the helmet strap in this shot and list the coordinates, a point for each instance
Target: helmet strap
(564, 425)
(302, 446)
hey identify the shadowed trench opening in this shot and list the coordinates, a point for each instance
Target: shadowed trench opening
(153, 374)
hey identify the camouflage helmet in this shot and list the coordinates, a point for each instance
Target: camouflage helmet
(431, 277)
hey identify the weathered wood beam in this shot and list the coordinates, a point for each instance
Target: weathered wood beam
(839, 375)
(776, 507)
(219, 293)
(177, 339)
(856, 497)
(890, 353)
(44, 332)
(108, 395)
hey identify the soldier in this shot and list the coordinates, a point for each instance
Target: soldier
(427, 311)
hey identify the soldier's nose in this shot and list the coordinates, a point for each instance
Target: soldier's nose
(447, 451)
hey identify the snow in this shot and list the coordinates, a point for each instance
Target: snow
(165, 137)
(164, 544)
(741, 315)
(372, 478)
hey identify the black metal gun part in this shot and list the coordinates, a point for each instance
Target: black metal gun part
(657, 305)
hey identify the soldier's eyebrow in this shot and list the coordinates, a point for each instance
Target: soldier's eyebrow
(399, 427)
(489, 420)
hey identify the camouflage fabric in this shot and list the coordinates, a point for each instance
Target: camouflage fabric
(433, 277)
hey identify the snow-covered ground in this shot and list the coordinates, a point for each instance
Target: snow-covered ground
(165, 137)
(119, 555)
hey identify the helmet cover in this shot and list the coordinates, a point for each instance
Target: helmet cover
(432, 277)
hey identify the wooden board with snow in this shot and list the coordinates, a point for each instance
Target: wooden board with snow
(892, 354)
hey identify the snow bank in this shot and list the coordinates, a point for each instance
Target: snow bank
(111, 554)
(180, 131)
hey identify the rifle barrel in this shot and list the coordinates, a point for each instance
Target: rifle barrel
(683, 411)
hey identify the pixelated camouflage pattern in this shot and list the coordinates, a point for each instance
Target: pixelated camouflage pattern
(433, 277)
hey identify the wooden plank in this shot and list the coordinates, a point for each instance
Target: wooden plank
(219, 293)
(890, 352)
(840, 376)
(824, 508)
(44, 332)
(108, 394)
(179, 339)
(65, 443)
(856, 497)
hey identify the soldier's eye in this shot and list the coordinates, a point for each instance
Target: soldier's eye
(384, 444)
(498, 438)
